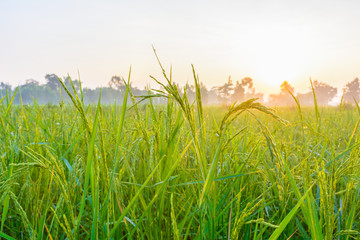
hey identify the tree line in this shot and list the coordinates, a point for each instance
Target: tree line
(52, 92)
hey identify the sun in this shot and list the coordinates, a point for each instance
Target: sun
(277, 55)
(273, 68)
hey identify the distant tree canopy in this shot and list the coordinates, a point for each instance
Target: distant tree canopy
(5, 86)
(243, 90)
(285, 87)
(52, 81)
(283, 98)
(53, 92)
(117, 83)
(323, 91)
(351, 91)
(224, 91)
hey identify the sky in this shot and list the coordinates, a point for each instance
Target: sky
(269, 41)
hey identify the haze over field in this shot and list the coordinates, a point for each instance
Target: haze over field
(215, 134)
(269, 41)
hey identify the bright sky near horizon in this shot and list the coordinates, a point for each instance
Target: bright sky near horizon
(270, 41)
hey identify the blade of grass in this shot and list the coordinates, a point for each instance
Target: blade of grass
(287, 219)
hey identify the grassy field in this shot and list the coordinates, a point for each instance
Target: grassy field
(180, 171)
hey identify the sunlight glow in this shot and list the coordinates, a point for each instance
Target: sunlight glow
(278, 55)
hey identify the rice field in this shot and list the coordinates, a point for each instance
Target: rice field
(178, 171)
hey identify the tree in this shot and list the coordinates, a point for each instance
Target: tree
(306, 98)
(283, 98)
(224, 91)
(245, 90)
(52, 81)
(4, 89)
(117, 83)
(285, 88)
(31, 82)
(190, 92)
(213, 98)
(5, 86)
(248, 85)
(324, 92)
(204, 93)
(239, 92)
(32, 91)
(351, 91)
(76, 83)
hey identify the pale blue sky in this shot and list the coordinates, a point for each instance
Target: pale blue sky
(270, 41)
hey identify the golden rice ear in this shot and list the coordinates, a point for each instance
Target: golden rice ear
(236, 109)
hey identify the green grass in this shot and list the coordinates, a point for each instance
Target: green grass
(179, 171)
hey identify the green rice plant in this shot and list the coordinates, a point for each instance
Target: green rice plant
(180, 170)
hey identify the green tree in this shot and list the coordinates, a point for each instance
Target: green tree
(52, 81)
(224, 91)
(117, 82)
